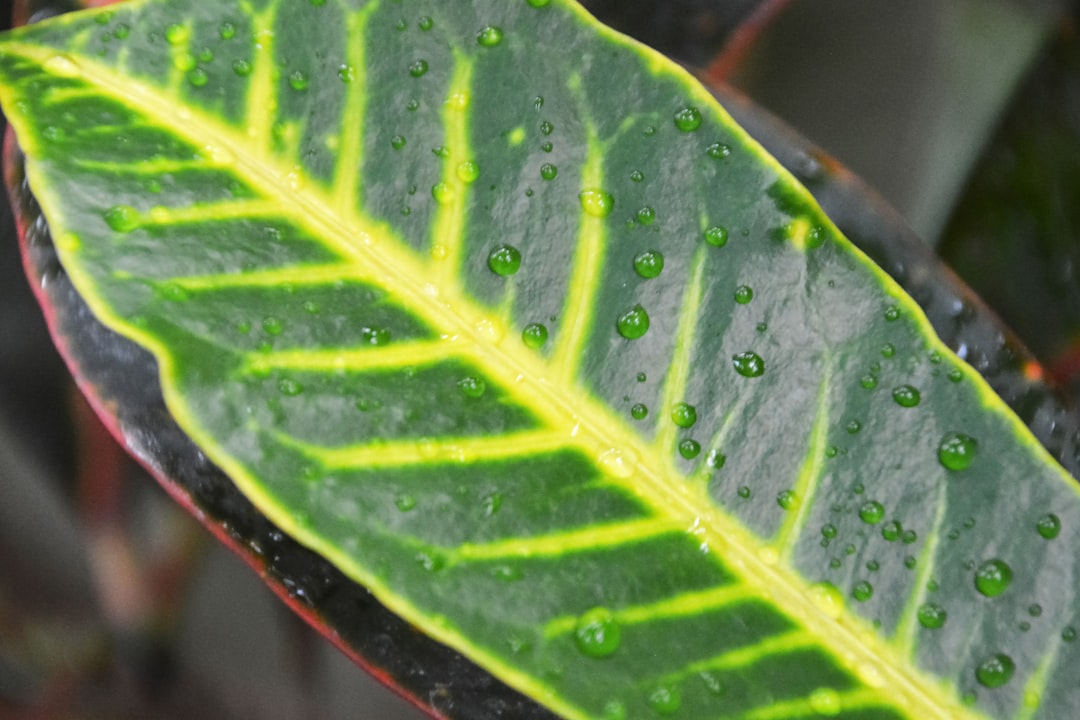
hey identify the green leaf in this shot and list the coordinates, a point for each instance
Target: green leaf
(391, 258)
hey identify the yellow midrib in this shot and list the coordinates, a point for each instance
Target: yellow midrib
(591, 425)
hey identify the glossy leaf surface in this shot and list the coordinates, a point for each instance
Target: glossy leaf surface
(746, 482)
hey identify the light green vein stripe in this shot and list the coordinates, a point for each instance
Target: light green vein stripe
(586, 539)
(686, 604)
(448, 227)
(747, 655)
(806, 484)
(822, 702)
(679, 370)
(1036, 684)
(296, 275)
(261, 105)
(228, 210)
(396, 355)
(412, 453)
(143, 167)
(578, 315)
(347, 175)
(903, 639)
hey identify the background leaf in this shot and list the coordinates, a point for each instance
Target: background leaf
(795, 220)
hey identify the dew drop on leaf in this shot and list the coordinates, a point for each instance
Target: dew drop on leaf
(993, 577)
(828, 599)
(504, 260)
(787, 499)
(995, 671)
(633, 323)
(346, 73)
(891, 531)
(718, 151)
(716, 236)
(426, 23)
(597, 633)
(637, 176)
(828, 531)
(491, 503)
(547, 147)
(177, 34)
(539, 3)
(957, 451)
(868, 381)
(888, 350)
(688, 119)
(419, 68)
(490, 36)
(748, 364)
(472, 387)
(122, 218)
(906, 396)
(825, 701)
(442, 193)
(289, 387)
(272, 325)
(241, 67)
(468, 171)
(1049, 526)
(684, 415)
(535, 335)
(198, 77)
(649, 264)
(548, 171)
(1068, 634)
(665, 700)
(931, 616)
(646, 215)
(397, 142)
(872, 512)
(546, 127)
(62, 66)
(639, 411)
(689, 449)
(892, 313)
(226, 31)
(862, 591)
(596, 203)
(744, 492)
(744, 294)
(405, 502)
(715, 459)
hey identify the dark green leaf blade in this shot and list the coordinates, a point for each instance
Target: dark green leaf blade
(361, 241)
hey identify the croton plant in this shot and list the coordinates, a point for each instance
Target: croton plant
(524, 373)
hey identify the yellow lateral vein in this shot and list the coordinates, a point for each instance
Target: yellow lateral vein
(742, 657)
(225, 210)
(818, 705)
(261, 106)
(682, 605)
(561, 543)
(904, 636)
(586, 276)
(423, 451)
(296, 275)
(809, 476)
(448, 224)
(409, 353)
(145, 167)
(679, 371)
(350, 157)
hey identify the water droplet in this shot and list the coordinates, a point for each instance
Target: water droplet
(637, 176)
(744, 492)
(642, 377)
(597, 203)
(491, 503)
(684, 415)
(397, 142)
(868, 381)
(909, 537)
(241, 67)
(716, 236)
(289, 387)
(1068, 634)
(892, 313)
(468, 171)
(887, 350)
(748, 364)
(548, 171)
(198, 77)
(426, 23)
(173, 292)
(597, 633)
(993, 577)
(122, 218)
(633, 323)
(862, 591)
(1049, 526)
(787, 499)
(346, 73)
(718, 151)
(442, 193)
(872, 512)
(891, 531)
(472, 387)
(405, 502)
(649, 264)
(639, 411)
(665, 700)
(177, 34)
(995, 671)
(715, 459)
(504, 260)
(646, 215)
(825, 701)
(688, 119)
(490, 36)
(932, 616)
(828, 531)
(375, 335)
(910, 562)
(121, 31)
(827, 598)
(412, 105)
(744, 294)
(617, 463)
(956, 375)
(1035, 610)
(534, 335)
(906, 396)
(539, 3)
(546, 127)
(957, 451)
(419, 68)
(689, 449)
(547, 147)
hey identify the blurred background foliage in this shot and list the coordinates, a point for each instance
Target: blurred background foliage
(964, 115)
